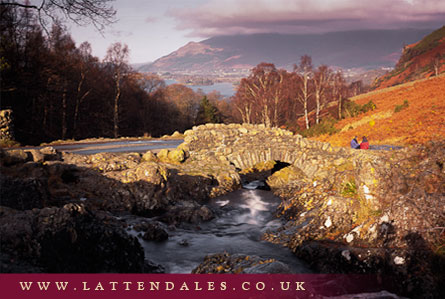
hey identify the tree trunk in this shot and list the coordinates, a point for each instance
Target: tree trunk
(306, 98)
(265, 116)
(306, 119)
(339, 106)
(275, 116)
(317, 111)
(116, 107)
(64, 108)
(76, 108)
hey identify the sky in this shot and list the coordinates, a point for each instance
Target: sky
(155, 28)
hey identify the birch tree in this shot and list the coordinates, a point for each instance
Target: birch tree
(117, 58)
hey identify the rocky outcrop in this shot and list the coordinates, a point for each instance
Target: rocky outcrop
(67, 239)
(240, 263)
(350, 211)
(340, 224)
(6, 125)
(38, 191)
(151, 230)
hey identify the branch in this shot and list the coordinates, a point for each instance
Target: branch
(19, 5)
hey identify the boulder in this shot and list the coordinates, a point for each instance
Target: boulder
(175, 156)
(69, 239)
(284, 176)
(36, 155)
(240, 263)
(12, 157)
(23, 194)
(149, 156)
(50, 154)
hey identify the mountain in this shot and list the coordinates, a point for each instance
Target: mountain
(418, 60)
(351, 49)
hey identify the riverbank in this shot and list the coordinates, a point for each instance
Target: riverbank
(341, 211)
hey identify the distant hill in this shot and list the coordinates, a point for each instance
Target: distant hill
(406, 114)
(417, 60)
(351, 49)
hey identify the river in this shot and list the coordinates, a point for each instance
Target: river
(243, 217)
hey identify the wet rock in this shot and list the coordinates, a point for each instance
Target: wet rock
(274, 267)
(184, 242)
(153, 231)
(240, 263)
(182, 214)
(151, 267)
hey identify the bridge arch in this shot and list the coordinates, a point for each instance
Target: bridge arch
(246, 145)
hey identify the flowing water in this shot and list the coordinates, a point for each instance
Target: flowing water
(243, 217)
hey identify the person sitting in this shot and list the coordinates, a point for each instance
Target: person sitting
(364, 144)
(354, 143)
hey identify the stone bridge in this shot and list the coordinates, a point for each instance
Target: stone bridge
(246, 145)
(243, 146)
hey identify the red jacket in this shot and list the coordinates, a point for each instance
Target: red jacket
(364, 145)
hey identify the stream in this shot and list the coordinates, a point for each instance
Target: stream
(242, 218)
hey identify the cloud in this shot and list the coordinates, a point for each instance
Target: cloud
(217, 17)
(151, 20)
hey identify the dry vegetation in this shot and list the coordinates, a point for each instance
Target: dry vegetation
(420, 116)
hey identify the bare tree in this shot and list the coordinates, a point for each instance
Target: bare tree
(151, 83)
(84, 58)
(322, 76)
(436, 64)
(304, 72)
(261, 97)
(117, 58)
(82, 12)
(339, 90)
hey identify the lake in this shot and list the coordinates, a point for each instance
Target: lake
(225, 88)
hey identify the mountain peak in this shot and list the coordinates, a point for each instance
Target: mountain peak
(418, 60)
(353, 49)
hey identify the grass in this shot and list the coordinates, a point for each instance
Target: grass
(399, 108)
(352, 109)
(427, 43)
(326, 126)
(417, 121)
(349, 189)
(366, 120)
(6, 143)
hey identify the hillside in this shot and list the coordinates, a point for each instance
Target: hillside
(418, 60)
(420, 116)
(350, 49)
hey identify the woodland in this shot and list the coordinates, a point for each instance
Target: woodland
(60, 91)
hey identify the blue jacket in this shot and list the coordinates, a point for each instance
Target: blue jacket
(355, 144)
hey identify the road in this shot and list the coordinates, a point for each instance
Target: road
(139, 146)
